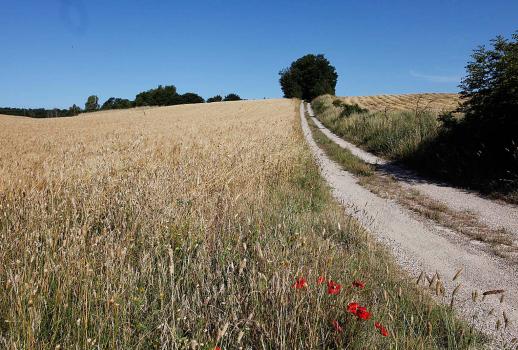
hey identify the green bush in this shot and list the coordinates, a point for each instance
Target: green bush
(216, 98)
(232, 97)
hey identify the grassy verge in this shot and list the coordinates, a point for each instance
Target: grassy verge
(418, 140)
(172, 246)
(500, 241)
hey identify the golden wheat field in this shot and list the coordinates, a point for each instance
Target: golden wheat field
(186, 227)
(430, 101)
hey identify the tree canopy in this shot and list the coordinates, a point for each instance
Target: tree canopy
(308, 77)
(92, 103)
(232, 97)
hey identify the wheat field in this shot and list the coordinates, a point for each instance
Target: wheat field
(430, 101)
(186, 227)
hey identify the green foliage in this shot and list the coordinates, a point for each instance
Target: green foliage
(161, 96)
(308, 77)
(92, 104)
(41, 112)
(232, 97)
(216, 98)
(73, 111)
(117, 103)
(191, 97)
(348, 109)
(481, 149)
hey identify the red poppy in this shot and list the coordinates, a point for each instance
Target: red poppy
(362, 313)
(383, 331)
(337, 326)
(321, 280)
(359, 284)
(333, 288)
(300, 283)
(217, 348)
(352, 307)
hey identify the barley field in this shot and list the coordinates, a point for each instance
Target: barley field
(427, 101)
(191, 227)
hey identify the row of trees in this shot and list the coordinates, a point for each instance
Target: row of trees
(41, 112)
(161, 96)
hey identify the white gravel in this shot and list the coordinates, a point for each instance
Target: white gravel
(422, 246)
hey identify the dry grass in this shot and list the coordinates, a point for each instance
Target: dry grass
(185, 227)
(430, 101)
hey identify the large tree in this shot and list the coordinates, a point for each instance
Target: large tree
(309, 77)
(92, 103)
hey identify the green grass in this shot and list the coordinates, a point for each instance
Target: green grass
(394, 135)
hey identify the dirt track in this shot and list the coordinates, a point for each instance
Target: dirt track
(419, 245)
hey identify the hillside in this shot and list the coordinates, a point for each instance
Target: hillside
(191, 226)
(431, 101)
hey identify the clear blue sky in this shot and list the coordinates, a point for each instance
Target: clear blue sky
(57, 52)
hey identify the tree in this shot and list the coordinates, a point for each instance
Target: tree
(92, 104)
(216, 98)
(161, 96)
(73, 111)
(117, 103)
(191, 97)
(232, 97)
(490, 89)
(308, 77)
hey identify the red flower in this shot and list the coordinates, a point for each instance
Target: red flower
(362, 313)
(300, 283)
(359, 284)
(321, 280)
(359, 311)
(333, 288)
(217, 348)
(352, 307)
(383, 331)
(337, 326)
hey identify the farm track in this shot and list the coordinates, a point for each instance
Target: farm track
(419, 245)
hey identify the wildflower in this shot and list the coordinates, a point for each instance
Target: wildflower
(337, 326)
(217, 348)
(358, 311)
(359, 284)
(333, 288)
(300, 283)
(321, 280)
(352, 307)
(362, 313)
(383, 331)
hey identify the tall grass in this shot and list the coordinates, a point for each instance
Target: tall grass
(186, 227)
(419, 139)
(392, 134)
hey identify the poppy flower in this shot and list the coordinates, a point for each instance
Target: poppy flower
(362, 313)
(321, 280)
(383, 331)
(337, 326)
(352, 307)
(300, 283)
(359, 284)
(333, 288)
(217, 348)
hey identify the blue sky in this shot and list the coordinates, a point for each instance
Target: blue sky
(57, 52)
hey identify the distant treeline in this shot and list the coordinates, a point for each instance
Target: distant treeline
(41, 112)
(161, 96)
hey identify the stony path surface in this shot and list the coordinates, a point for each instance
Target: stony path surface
(422, 246)
(490, 212)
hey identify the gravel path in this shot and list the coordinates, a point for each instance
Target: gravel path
(491, 213)
(421, 246)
